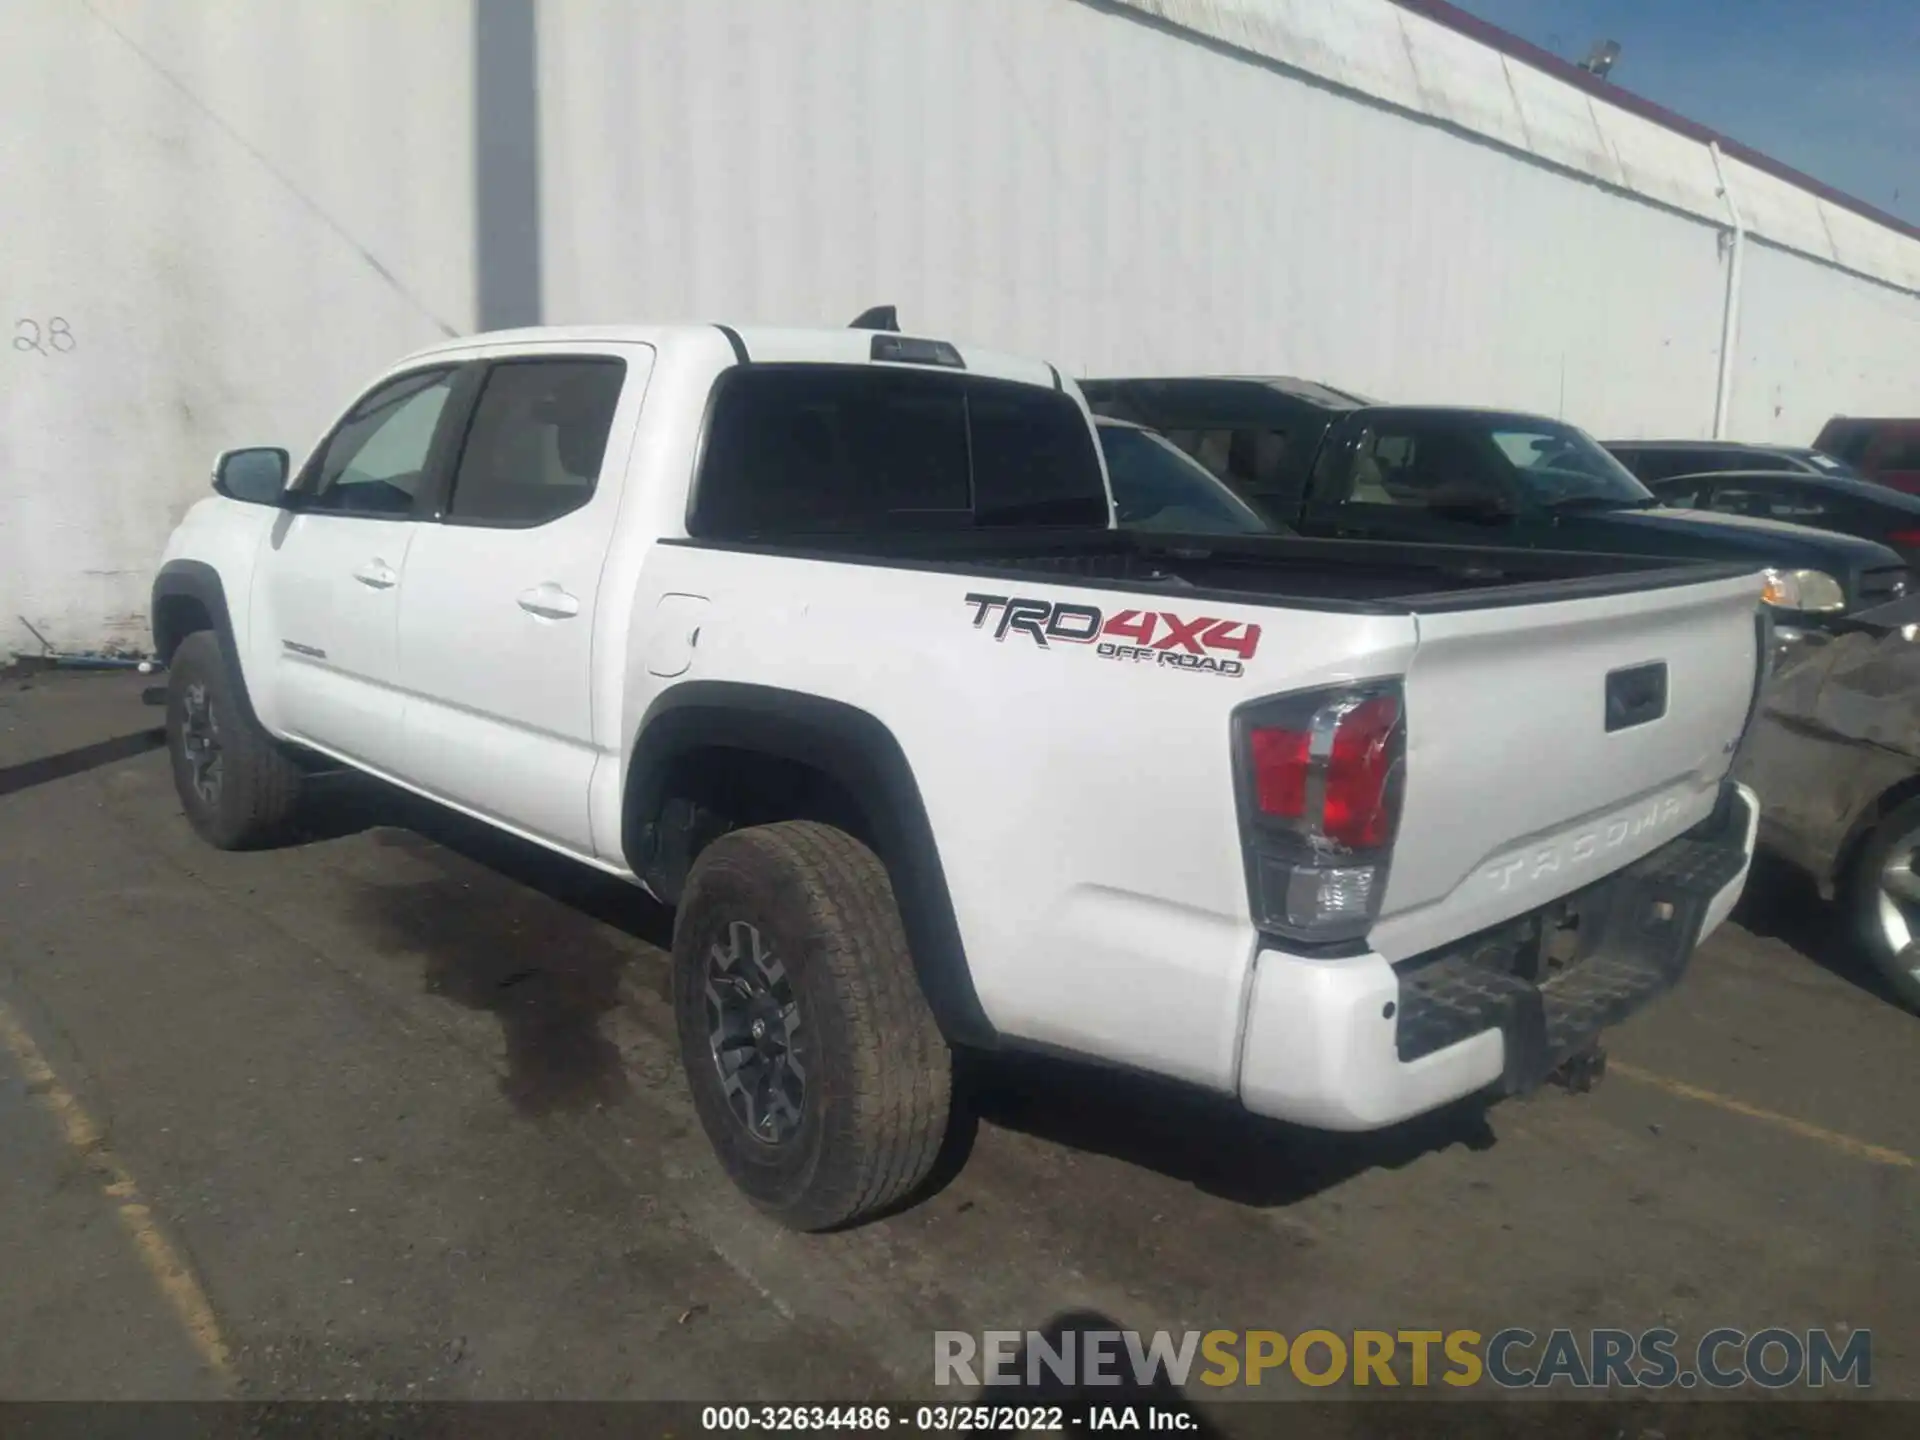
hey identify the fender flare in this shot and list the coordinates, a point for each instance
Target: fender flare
(199, 581)
(860, 754)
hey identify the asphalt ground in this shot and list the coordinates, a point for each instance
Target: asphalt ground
(395, 1114)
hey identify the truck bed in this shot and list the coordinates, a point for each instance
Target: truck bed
(1347, 575)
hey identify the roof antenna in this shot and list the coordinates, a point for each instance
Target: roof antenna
(880, 317)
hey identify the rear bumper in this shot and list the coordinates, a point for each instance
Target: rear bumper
(1358, 1043)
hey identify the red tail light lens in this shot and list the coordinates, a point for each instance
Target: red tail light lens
(1280, 771)
(1320, 779)
(1356, 811)
(1358, 753)
(1904, 537)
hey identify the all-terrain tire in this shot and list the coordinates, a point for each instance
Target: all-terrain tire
(821, 918)
(254, 792)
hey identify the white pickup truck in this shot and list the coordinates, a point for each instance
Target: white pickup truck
(829, 640)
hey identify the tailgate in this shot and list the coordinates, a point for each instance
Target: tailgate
(1517, 789)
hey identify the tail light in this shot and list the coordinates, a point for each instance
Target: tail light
(1908, 538)
(1320, 774)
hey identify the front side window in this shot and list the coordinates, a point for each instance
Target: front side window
(534, 446)
(846, 449)
(376, 459)
(1465, 459)
(1555, 461)
(1419, 467)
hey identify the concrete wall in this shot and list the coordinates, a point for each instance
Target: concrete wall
(239, 210)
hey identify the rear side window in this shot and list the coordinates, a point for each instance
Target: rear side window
(1682, 494)
(1761, 460)
(534, 446)
(1796, 504)
(846, 449)
(1845, 439)
(1656, 465)
(1664, 464)
(1895, 447)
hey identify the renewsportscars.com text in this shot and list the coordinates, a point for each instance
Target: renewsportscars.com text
(1515, 1358)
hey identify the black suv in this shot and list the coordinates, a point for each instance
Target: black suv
(1653, 460)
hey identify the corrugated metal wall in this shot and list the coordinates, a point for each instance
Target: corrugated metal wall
(1816, 342)
(236, 212)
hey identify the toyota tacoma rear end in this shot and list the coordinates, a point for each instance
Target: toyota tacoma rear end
(830, 641)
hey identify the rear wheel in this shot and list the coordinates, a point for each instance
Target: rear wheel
(1885, 900)
(239, 789)
(816, 1067)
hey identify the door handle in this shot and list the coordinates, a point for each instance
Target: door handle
(375, 573)
(550, 602)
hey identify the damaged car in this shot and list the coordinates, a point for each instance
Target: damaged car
(1834, 755)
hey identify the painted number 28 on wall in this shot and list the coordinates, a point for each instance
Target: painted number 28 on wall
(53, 336)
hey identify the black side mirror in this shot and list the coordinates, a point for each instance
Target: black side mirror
(256, 476)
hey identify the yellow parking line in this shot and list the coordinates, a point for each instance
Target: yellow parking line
(164, 1263)
(1833, 1139)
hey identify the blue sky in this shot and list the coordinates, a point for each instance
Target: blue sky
(1832, 89)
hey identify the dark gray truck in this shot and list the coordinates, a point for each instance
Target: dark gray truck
(1326, 463)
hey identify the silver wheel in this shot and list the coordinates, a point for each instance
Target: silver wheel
(1897, 902)
(753, 1024)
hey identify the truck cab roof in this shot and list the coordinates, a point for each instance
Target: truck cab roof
(758, 345)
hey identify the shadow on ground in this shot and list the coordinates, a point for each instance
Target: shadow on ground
(1200, 1139)
(1056, 1371)
(29, 773)
(1781, 903)
(550, 978)
(546, 971)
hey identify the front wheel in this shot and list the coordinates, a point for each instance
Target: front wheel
(239, 789)
(1884, 895)
(817, 1070)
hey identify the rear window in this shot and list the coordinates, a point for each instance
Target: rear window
(1845, 439)
(1657, 464)
(847, 449)
(1895, 447)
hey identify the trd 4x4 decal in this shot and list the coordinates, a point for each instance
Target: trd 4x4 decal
(1154, 637)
